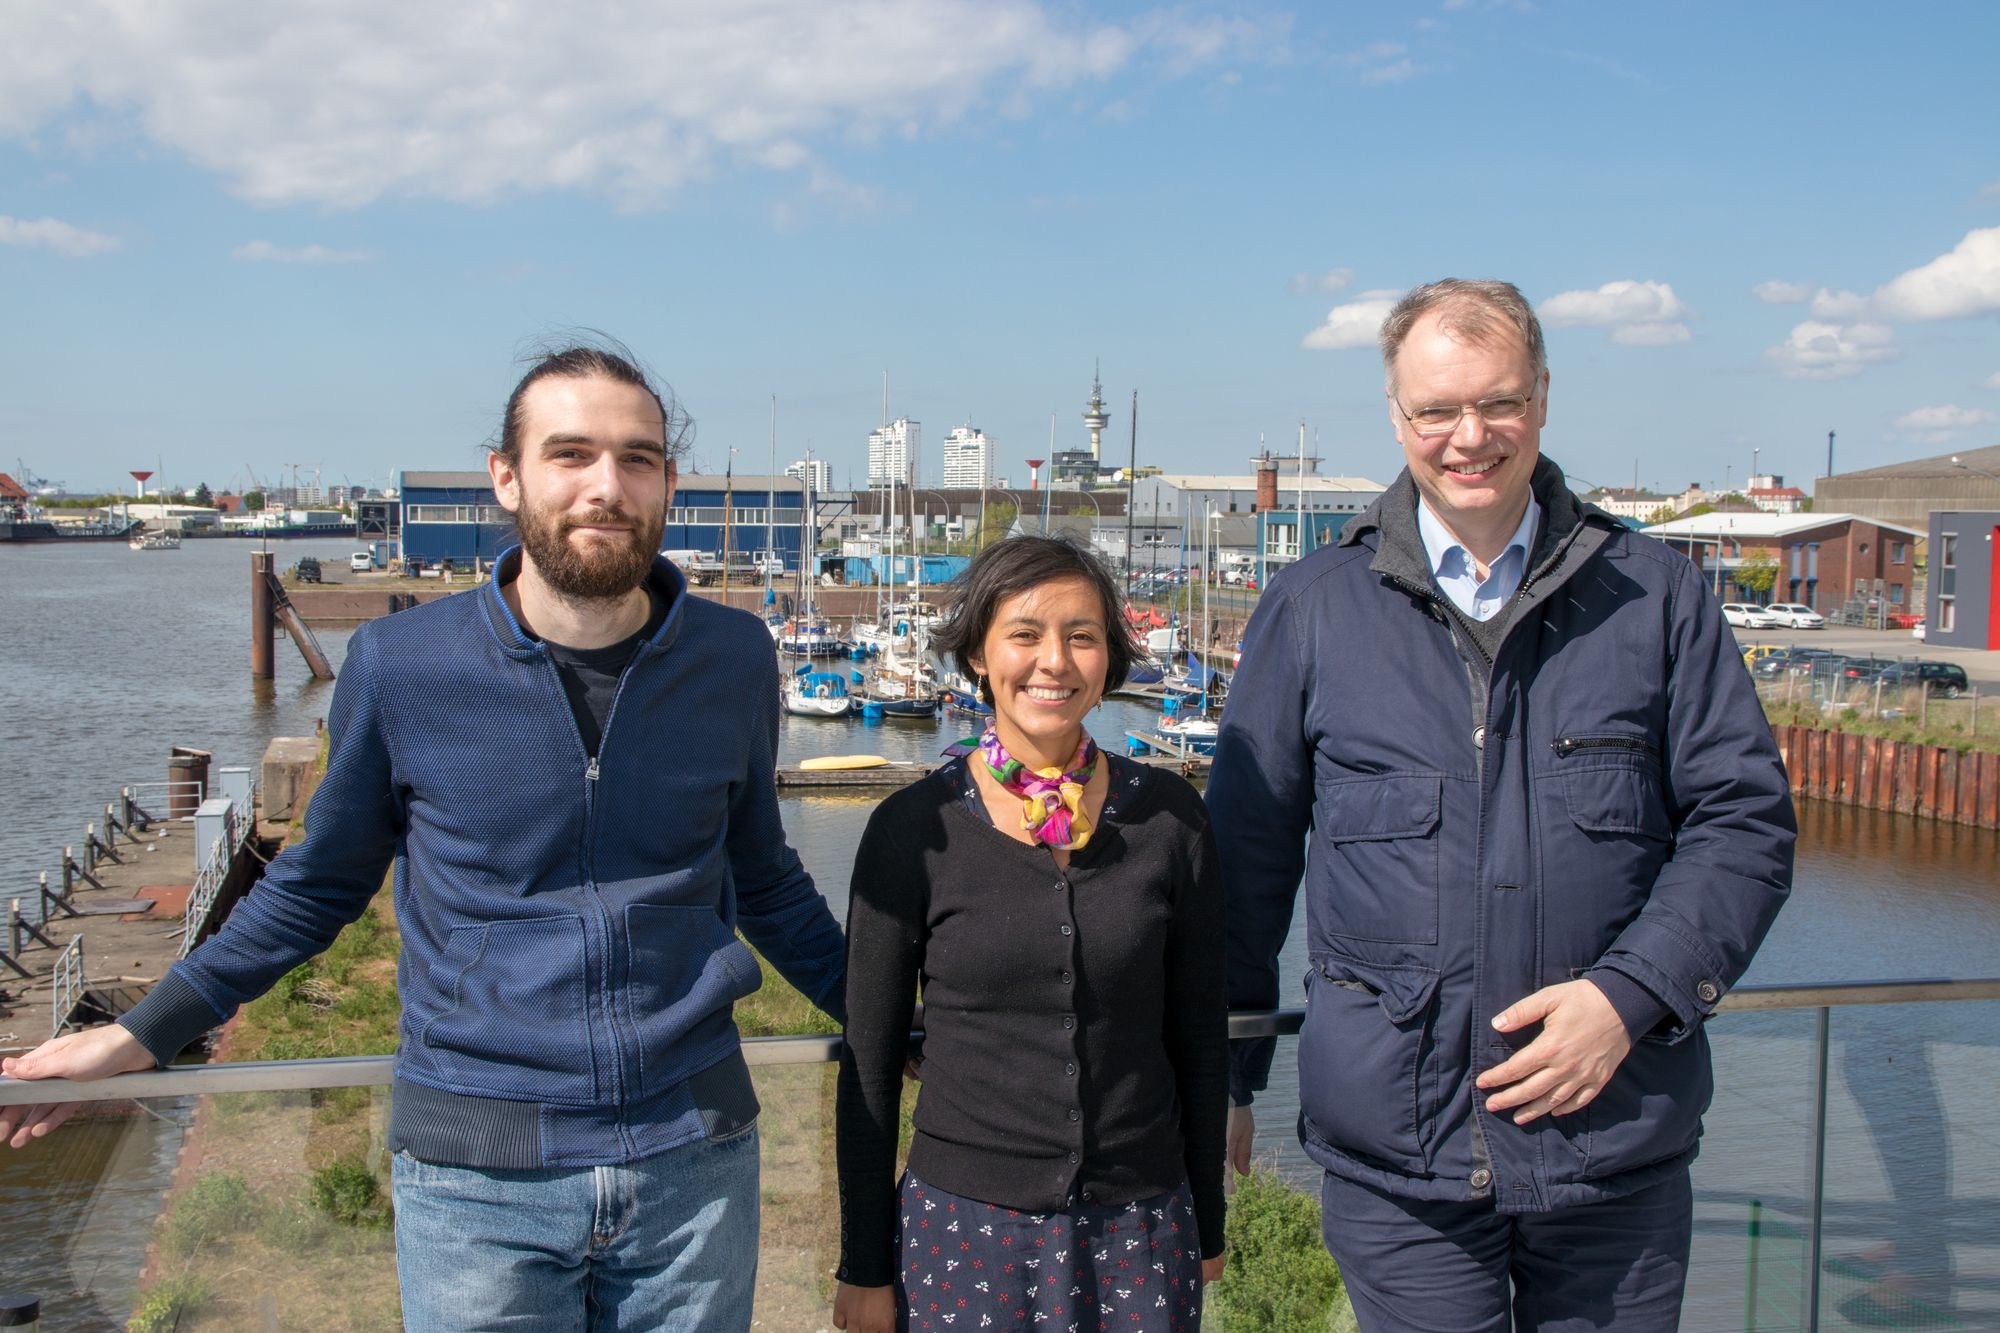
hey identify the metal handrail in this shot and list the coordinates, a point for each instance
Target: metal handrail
(237, 827)
(362, 1071)
(66, 981)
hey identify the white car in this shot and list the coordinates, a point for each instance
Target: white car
(360, 562)
(1797, 615)
(1745, 616)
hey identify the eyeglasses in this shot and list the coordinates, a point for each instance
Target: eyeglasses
(1443, 420)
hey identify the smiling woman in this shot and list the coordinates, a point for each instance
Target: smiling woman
(1083, 1029)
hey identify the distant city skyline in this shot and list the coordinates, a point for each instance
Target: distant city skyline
(241, 237)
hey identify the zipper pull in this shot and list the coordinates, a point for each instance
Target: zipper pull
(590, 774)
(1564, 747)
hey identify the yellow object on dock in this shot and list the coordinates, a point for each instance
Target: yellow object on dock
(843, 761)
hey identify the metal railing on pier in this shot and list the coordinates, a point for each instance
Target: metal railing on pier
(67, 981)
(238, 822)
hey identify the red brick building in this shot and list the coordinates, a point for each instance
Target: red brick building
(1826, 561)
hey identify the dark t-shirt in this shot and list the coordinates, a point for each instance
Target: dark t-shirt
(590, 675)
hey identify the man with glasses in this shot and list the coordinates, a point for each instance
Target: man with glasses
(1542, 825)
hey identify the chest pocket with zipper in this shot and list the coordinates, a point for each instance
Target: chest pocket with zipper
(1612, 784)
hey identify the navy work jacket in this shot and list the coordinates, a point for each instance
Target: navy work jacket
(1603, 799)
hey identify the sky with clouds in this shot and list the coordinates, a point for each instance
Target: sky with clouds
(236, 235)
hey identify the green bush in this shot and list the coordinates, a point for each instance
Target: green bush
(1280, 1279)
(347, 1191)
(217, 1204)
(171, 1300)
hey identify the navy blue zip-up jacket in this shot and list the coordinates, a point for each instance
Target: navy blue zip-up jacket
(1603, 799)
(568, 924)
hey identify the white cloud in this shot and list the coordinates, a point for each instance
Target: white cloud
(1964, 283)
(1639, 314)
(1381, 62)
(338, 105)
(1330, 283)
(1354, 324)
(1820, 351)
(1783, 293)
(1993, 380)
(1838, 306)
(1989, 193)
(263, 252)
(1652, 333)
(67, 240)
(1946, 418)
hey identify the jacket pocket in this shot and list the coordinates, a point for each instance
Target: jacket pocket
(1612, 785)
(1382, 862)
(687, 970)
(1368, 1063)
(514, 1021)
(1649, 1112)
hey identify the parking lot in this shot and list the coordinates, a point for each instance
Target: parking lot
(1982, 667)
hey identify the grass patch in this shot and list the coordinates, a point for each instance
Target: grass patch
(1949, 724)
(1280, 1279)
(778, 1009)
(343, 1002)
(347, 1191)
(173, 1299)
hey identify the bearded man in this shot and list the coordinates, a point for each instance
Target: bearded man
(571, 770)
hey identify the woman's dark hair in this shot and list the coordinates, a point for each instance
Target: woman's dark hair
(1011, 567)
(612, 361)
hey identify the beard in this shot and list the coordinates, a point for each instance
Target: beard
(596, 570)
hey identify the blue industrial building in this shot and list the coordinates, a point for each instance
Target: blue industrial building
(454, 516)
(762, 517)
(451, 516)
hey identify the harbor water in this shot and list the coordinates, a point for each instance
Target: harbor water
(109, 656)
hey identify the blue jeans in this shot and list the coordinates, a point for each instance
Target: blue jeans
(665, 1243)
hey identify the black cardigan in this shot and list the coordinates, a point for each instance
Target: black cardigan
(1076, 1028)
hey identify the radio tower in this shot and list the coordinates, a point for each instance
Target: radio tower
(1094, 415)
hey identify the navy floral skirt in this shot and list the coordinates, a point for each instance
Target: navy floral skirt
(972, 1265)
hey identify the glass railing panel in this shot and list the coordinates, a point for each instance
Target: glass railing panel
(800, 1242)
(235, 1211)
(1911, 1232)
(1748, 1265)
(269, 1209)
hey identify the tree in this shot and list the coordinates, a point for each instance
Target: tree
(1758, 572)
(203, 496)
(1664, 514)
(252, 501)
(1000, 517)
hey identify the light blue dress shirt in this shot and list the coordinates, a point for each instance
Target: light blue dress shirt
(1459, 577)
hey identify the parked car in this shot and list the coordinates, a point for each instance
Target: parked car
(1917, 631)
(1941, 678)
(1863, 670)
(1797, 615)
(1798, 660)
(360, 562)
(308, 569)
(1745, 616)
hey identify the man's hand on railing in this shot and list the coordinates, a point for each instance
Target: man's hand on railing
(97, 1053)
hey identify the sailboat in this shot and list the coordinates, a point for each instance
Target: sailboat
(810, 693)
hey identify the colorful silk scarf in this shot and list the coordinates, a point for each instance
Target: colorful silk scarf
(1051, 798)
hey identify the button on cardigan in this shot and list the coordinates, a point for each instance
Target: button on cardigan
(1076, 1028)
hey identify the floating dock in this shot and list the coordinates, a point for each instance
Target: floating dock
(903, 774)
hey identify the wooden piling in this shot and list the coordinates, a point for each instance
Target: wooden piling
(263, 623)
